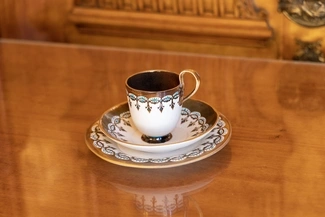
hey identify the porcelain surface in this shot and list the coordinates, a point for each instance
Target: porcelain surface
(197, 120)
(108, 150)
(155, 100)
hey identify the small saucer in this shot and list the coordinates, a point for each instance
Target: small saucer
(103, 147)
(197, 120)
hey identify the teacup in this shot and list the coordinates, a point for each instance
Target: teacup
(155, 100)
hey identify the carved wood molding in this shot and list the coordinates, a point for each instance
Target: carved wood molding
(309, 51)
(207, 21)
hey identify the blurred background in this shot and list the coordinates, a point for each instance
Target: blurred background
(284, 29)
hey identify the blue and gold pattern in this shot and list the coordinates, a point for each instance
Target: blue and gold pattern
(194, 119)
(141, 101)
(114, 128)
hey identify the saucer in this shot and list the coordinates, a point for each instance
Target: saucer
(197, 120)
(213, 142)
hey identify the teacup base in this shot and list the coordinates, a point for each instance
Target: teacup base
(159, 139)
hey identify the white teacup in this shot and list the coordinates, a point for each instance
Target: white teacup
(155, 101)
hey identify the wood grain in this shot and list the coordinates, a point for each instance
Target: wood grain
(51, 93)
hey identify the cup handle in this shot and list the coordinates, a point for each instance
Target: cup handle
(197, 83)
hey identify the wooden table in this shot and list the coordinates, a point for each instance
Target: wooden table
(274, 164)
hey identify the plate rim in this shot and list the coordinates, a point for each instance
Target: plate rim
(150, 165)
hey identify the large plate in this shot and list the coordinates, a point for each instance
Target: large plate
(103, 147)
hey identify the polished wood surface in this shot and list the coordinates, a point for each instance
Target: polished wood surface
(51, 93)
